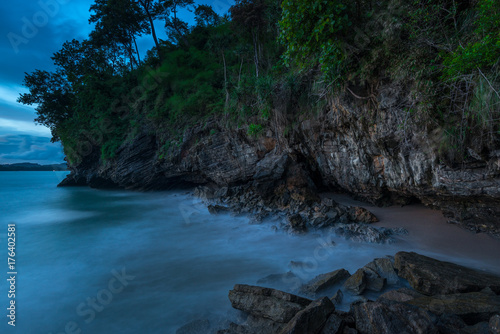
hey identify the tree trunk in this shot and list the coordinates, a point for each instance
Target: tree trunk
(256, 55)
(225, 80)
(137, 50)
(153, 32)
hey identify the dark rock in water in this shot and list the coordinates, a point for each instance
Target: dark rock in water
(267, 303)
(392, 318)
(495, 324)
(356, 284)
(334, 325)
(384, 268)
(364, 233)
(432, 277)
(297, 223)
(401, 295)
(287, 279)
(361, 215)
(472, 307)
(311, 319)
(217, 209)
(373, 280)
(324, 281)
(337, 297)
(195, 327)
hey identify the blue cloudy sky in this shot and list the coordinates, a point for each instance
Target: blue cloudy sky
(31, 31)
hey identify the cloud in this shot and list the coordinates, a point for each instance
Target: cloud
(26, 148)
(9, 127)
(41, 27)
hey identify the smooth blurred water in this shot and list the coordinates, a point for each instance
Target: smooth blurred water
(183, 260)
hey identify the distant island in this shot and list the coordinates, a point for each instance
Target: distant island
(30, 167)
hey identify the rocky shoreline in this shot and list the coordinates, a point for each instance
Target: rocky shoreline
(407, 293)
(297, 210)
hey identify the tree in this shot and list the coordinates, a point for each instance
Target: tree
(118, 22)
(249, 15)
(176, 28)
(53, 96)
(151, 10)
(218, 42)
(205, 16)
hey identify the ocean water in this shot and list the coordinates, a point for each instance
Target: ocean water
(94, 261)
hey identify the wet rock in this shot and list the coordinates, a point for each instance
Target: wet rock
(361, 215)
(373, 280)
(472, 307)
(267, 303)
(392, 318)
(384, 267)
(450, 324)
(195, 327)
(325, 281)
(401, 295)
(337, 297)
(494, 324)
(311, 319)
(297, 223)
(356, 284)
(334, 325)
(480, 328)
(217, 209)
(364, 233)
(432, 277)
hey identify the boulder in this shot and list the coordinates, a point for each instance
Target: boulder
(472, 307)
(495, 324)
(401, 295)
(311, 319)
(479, 328)
(356, 284)
(392, 318)
(334, 325)
(324, 281)
(373, 280)
(361, 215)
(267, 303)
(384, 267)
(450, 324)
(337, 297)
(433, 277)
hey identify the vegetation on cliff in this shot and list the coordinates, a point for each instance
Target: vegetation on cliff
(268, 64)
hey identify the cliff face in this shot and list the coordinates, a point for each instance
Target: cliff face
(386, 158)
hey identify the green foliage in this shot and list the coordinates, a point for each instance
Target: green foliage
(255, 130)
(483, 50)
(259, 68)
(310, 30)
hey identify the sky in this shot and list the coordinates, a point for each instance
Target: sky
(30, 32)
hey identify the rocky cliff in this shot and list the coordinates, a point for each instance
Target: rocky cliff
(381, 154)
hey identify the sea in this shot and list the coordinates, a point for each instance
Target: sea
(115, 261)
